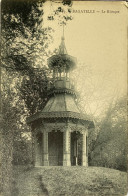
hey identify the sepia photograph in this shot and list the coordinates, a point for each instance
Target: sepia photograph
(63, 101)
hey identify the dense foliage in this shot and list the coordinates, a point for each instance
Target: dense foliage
(109, 148)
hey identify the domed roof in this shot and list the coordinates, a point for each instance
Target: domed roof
(61, 103)
(62, 59)
(60, 106)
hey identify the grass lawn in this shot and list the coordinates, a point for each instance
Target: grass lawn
(71, 181)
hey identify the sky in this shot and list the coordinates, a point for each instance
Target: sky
(99, 41)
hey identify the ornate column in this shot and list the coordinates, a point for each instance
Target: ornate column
(45, 148)
(84, 150)
(66, 148)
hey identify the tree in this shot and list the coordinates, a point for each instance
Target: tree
(110, 149)
(15, 65)
(25, 75)
(25, 46)
(10, 121)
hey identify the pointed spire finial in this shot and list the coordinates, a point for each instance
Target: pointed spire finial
(62, 48)
(63, 29)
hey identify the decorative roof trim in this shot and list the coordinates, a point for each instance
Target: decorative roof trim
(48, 115)
(58, 91)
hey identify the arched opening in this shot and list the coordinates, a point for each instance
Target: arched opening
(76, 148)
(55, 148)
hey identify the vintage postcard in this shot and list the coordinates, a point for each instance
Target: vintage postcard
(63, 98)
